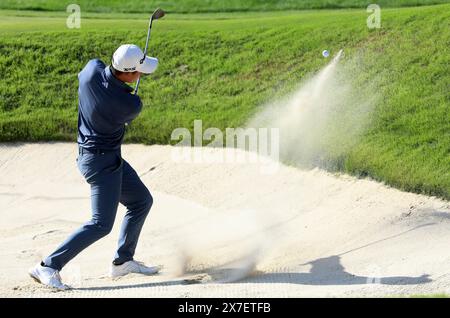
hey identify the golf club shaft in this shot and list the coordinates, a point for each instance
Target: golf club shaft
(145, 52)
(148, 36)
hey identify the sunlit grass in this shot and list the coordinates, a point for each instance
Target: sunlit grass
(223, 67)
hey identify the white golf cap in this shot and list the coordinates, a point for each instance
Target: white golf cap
(128, 57)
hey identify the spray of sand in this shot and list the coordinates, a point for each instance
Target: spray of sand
(325, 116)
(318, 124)
(223, 247)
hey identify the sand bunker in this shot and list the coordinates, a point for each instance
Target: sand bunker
(225, 230)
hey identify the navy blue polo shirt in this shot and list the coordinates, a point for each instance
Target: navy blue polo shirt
(105, 105)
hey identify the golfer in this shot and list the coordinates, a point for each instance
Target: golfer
(106, 105)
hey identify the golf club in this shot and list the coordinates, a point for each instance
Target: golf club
(158, 14)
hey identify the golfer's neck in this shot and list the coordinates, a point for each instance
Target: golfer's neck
(113, 72)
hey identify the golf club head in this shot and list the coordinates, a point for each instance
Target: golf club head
(158, 14)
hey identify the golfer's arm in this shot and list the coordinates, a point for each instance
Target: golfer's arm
(134, 107)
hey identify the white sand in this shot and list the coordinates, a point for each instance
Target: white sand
(308, 232)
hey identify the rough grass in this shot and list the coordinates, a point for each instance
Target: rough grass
(190, 6)
(431, 296)
(221, 68)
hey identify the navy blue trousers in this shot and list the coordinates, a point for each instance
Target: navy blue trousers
(112, 181)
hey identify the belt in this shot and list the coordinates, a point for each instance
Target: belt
(97, 151)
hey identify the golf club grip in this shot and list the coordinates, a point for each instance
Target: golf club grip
(137, 86)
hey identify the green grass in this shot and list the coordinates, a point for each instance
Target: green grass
(190, 6)
(430, 296)
(221, 67)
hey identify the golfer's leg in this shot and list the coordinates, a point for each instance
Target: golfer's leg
(138, 200)
(104, 200)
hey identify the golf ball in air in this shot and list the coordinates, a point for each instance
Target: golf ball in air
(325, 53)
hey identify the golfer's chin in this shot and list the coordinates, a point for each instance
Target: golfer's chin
(135, 79)
(130, 77)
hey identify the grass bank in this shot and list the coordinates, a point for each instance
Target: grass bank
(223, 67)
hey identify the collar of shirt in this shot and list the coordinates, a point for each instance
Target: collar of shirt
(112, 79)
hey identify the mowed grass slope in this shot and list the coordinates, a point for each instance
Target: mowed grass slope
(222, 70)
(190, 6)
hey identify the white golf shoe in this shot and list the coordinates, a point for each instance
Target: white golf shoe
(47, 276)
(132, 267)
